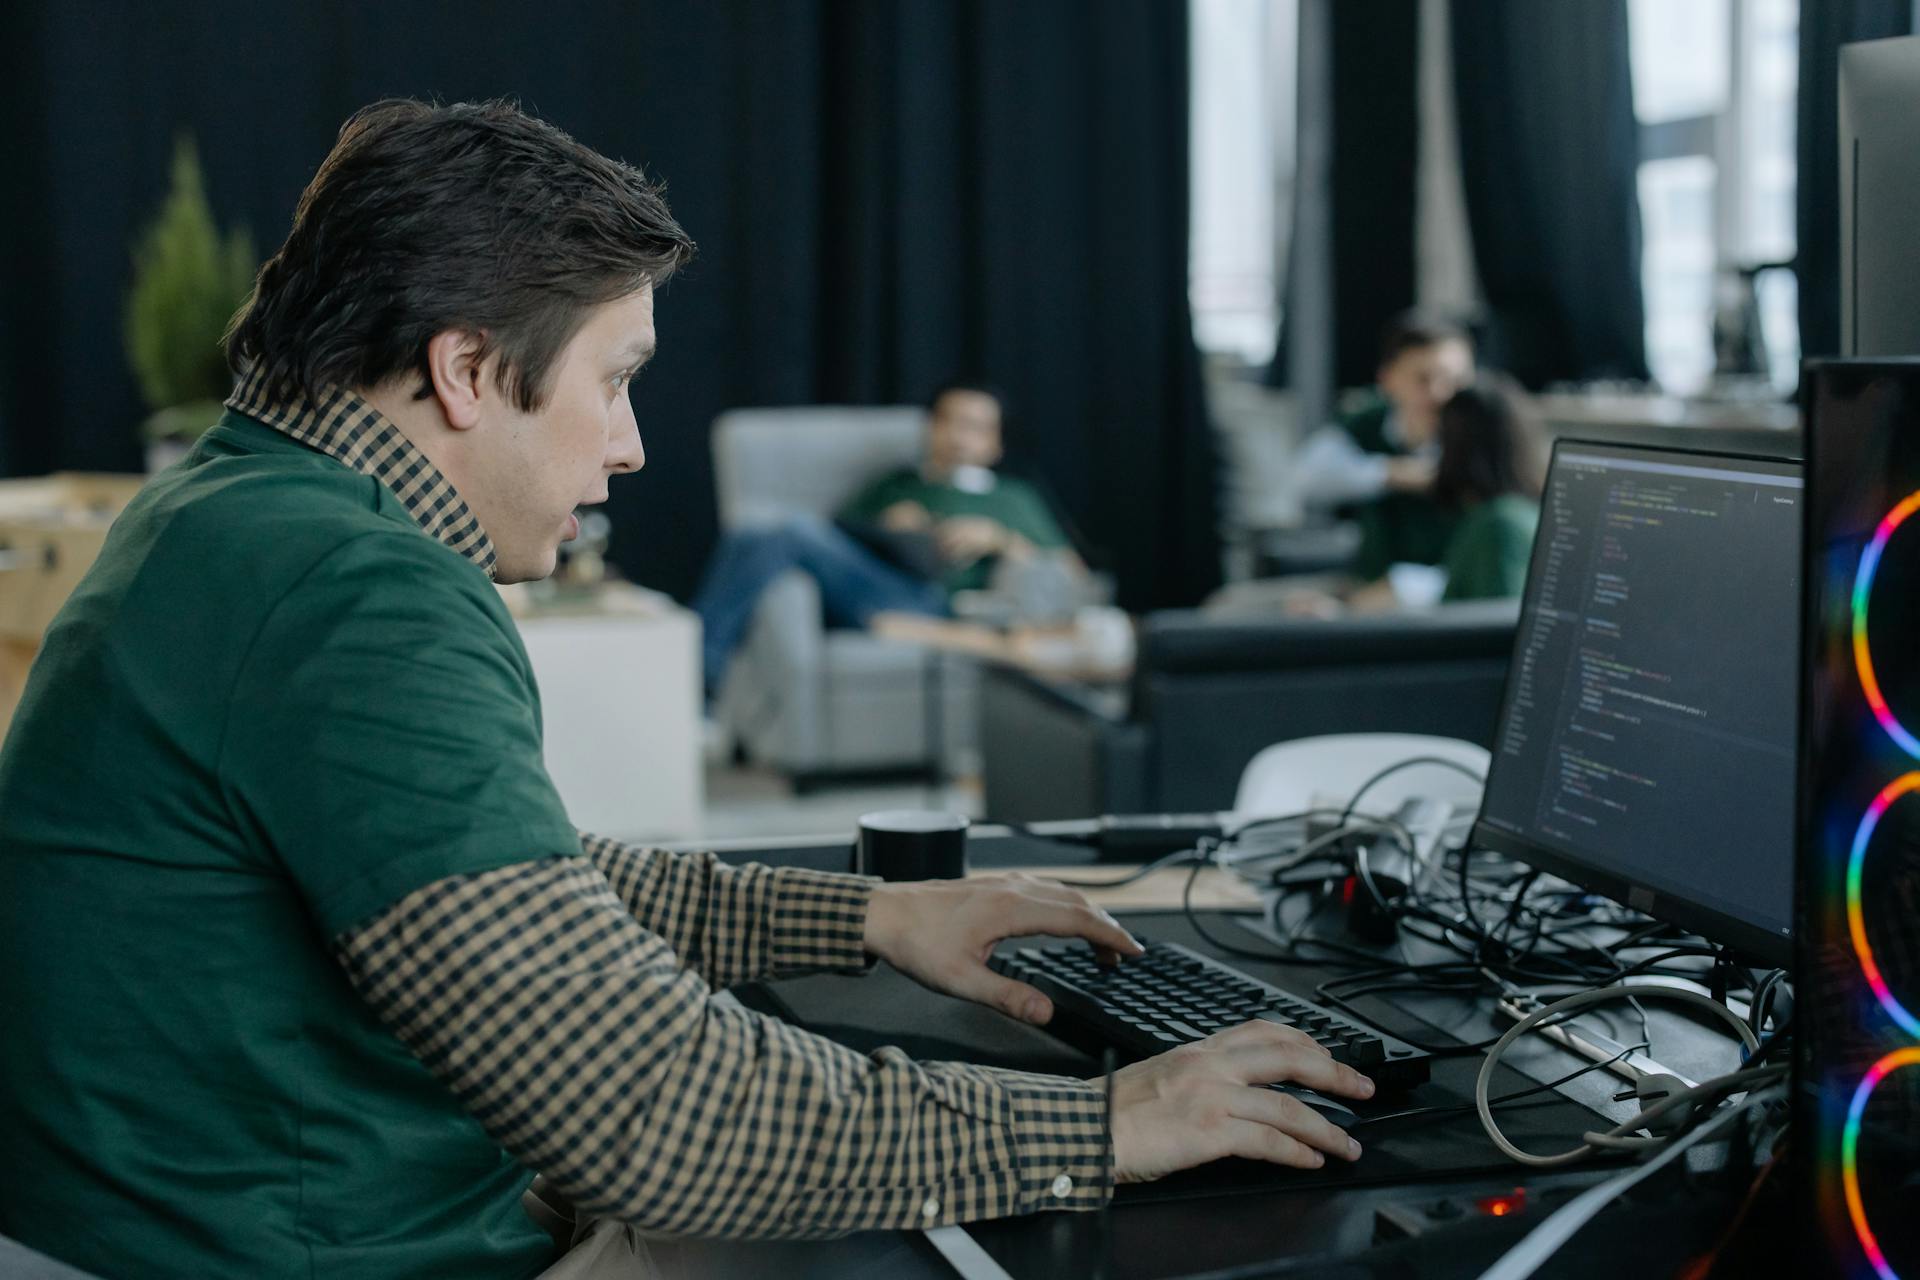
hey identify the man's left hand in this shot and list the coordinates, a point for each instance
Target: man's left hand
(940, 933)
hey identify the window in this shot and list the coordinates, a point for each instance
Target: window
(1714, 88)
(1242, 139)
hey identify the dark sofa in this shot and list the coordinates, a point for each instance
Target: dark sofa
(1208, 693)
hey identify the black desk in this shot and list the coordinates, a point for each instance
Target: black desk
(1219, 1220)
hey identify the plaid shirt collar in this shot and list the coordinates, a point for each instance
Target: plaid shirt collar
(348, 429)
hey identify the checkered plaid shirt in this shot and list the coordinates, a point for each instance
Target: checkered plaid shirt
(568, 1004)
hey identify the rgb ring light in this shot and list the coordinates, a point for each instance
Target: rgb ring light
(1856, 917)
(1850, 1155)
(1862, 652)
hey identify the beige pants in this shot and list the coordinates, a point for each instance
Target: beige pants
(599, 1248)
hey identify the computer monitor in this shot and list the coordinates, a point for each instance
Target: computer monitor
(1645, 746)
(1879, 190)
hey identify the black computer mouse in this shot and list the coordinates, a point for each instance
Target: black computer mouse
(1337, 1112)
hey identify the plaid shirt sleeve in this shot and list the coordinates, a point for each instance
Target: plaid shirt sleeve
(735, 924)
(582, 1044)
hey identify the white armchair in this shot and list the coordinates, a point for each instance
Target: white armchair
(809, 701)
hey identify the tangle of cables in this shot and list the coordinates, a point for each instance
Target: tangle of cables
(1498, 926)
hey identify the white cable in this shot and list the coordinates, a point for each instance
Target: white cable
(1581, 1000)
(1559, 1227)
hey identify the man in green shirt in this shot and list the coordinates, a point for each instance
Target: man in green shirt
(303, 970)
(902, 545)
(1378, 462)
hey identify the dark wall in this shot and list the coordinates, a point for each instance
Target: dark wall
(885, 195)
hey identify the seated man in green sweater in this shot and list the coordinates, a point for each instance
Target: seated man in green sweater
(947, 523)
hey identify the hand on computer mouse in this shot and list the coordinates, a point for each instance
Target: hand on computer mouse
(1204, 1100)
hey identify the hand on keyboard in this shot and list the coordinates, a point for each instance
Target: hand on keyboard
(941, 934)
(1203, 1101)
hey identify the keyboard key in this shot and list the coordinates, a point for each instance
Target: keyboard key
(1364, 1051)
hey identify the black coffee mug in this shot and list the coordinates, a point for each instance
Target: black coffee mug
(911, 844)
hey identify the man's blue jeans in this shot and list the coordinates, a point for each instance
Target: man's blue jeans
(854, 583)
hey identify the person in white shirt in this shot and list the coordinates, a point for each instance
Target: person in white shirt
(1390, 446)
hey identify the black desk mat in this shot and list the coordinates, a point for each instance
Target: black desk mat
(885, 1007)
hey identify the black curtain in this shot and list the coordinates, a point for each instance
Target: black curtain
(1825, 25)
(1376, 132)
(885, 195)
(1548, 150)
(1373, 131)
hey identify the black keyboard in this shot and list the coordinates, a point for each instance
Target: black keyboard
(1173, 995)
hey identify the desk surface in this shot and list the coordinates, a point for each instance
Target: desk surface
(1217, 1220)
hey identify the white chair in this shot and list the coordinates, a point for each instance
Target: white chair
(1290, 777)
(801, 698)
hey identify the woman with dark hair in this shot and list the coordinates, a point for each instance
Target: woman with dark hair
(1486, 495)
(1490, 471)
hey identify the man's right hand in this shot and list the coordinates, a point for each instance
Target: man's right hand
(1204, 1100)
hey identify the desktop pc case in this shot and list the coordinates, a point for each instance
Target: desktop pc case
(1857, 1011)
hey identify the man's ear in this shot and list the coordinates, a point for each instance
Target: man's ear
(457, 372)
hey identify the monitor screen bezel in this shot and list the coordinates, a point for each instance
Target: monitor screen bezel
(1743, 936)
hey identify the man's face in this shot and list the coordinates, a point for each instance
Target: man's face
(963, 431)
(541, 465)
(1420, 380)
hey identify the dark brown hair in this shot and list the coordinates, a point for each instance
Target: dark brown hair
(1490, 444)
(1414, 330)
(474, 216)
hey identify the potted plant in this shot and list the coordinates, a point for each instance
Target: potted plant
(188, 281)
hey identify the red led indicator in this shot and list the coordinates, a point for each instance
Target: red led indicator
(1502, 1205)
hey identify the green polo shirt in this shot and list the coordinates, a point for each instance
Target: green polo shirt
(272, 708)
(1011, 502)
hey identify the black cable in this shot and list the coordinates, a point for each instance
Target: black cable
(1408, 763)
(1173, 859)
(1452, 1108)
(1458, 1049)
(1760, 1006)
(1466, 903)
(1526, 882)
(1082, 839)
(1544, 956)
(1231, 948)
(1289, 954)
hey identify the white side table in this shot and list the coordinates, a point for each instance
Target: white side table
(619, 677)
